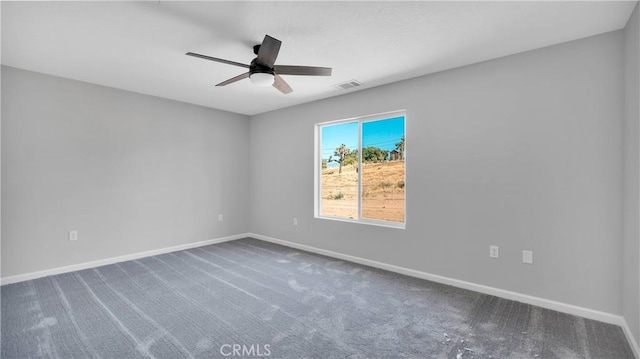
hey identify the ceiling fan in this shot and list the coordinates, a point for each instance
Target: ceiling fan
(263, 71)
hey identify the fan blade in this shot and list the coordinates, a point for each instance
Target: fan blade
(281, 85)
(217, 59)
(302, 70)
(234, 79)
(268, 51)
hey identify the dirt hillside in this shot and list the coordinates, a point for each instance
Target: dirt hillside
(383, 191)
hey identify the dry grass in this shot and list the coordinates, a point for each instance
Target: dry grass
(383, 192)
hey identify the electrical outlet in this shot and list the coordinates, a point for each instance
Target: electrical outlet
(494, 251)
(527, 257)
(220, 218)
(295, 221)
(73, 235)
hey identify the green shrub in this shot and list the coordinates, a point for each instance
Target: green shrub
(385, 184)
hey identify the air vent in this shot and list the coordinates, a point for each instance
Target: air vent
(349, 84)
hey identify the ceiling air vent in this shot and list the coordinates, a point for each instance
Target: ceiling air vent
(349, 84)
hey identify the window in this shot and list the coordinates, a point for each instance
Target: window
(360, 169)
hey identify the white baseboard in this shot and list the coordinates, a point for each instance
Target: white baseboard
(632, 340)
(128, 257)
(524, 298)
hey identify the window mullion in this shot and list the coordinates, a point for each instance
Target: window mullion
(359, 170)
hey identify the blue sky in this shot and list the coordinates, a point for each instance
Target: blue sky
(383, 134)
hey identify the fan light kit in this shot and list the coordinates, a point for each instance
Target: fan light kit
(263, 71)
(262, 79)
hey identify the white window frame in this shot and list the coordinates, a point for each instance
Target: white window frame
(318, 169)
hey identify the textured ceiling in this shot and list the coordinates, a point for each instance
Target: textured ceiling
(140, 46)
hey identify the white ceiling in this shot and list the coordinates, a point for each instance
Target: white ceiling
(140, 46)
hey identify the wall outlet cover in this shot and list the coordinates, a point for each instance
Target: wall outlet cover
(494, 251)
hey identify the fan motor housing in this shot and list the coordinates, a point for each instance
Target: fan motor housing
(257, 68)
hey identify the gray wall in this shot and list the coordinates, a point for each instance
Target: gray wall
(631, 242)
(130, 172)
(523, 152)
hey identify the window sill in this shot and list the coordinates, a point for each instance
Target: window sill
(394, 225)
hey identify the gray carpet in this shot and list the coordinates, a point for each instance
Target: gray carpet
(254, 299)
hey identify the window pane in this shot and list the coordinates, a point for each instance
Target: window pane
(339, 179)
(383, 187)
